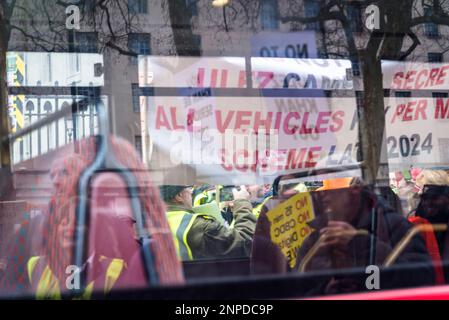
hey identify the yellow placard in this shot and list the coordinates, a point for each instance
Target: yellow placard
(288, 224)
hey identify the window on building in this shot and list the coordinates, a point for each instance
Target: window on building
(83, 42)
(354, 14)
(88, 5)
(269, 14)
(430, 29)
(192, 6)
(312, 9)
(435, 57)
(137, 6)
(136, 98)
(193, 48)
(356, 68)
(403, 94)
(359, 99)
(140, 43)
(440, 94)
(46, 69)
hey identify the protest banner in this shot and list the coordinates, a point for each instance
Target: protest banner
(415, 75)
(236, 140)
(324, 74)
(192, 72)
(288, 224)
(416, 132)
(233, 139)
(300, 44)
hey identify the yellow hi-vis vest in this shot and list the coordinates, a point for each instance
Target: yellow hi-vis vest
(180, 224)
(204, 197)
(200, 199)
(48, 284)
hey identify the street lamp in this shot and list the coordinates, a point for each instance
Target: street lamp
(220, 3)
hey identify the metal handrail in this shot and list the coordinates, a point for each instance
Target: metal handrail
(314, 172)
(311, 253)
(408, 237)
(91, 91)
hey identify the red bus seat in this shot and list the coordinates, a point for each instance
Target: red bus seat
(111, 229)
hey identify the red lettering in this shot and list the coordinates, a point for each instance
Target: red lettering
(399, 109)
(190, 119)
(294, 159)
(408, 111)
(397, 80)
(176, 126)
(224, 78)
(287, 127)
(441, 110)
(421, 109)
(313, 157)
(409, 79)
(277, 123)
(442, 75)
(304, 129)
(420, 84)
(223, 160)
(213, 78)
(241, 165)
(258, 121)
(323, 119)
(161, 119)
(414, 110)
(433, 75)
(200, 78)
(337, 119)
(266, 78)
(240, 121)
(220, 125)
(242, 79)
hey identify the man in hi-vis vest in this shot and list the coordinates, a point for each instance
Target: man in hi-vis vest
(199, 236)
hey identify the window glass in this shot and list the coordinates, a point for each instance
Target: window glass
(268, 14)
(138, 6)
(312, 9)
(431, 29)
(153, 144)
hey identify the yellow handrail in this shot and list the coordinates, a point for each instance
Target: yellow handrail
(316, 246)
(408, 237)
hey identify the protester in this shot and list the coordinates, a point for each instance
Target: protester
(346, 232)
(259, 195)
(345, 235)
(200, 236)
(432, 177)
(47, 273)
(433, 209)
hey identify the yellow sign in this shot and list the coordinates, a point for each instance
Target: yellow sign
(16, 103)
(288, 224)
